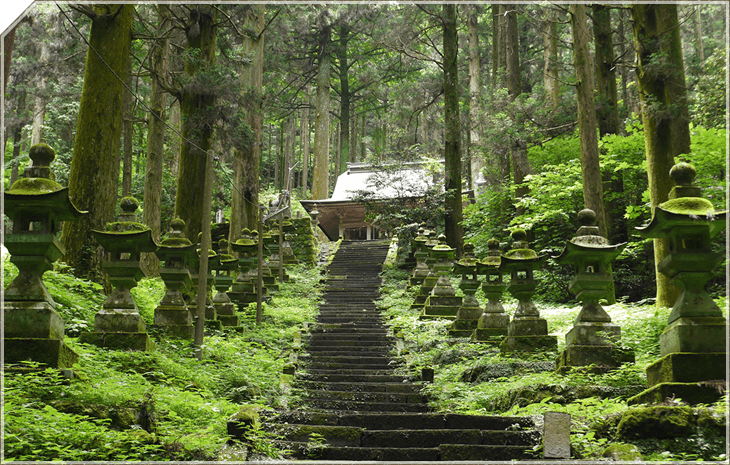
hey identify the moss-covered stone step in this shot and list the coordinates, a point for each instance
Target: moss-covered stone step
(394, 397)
(427, 437)
(355, 406)
(342, 454)
(319, 366)
(365, 350)
(347, 371)
(363, 387)
(381, 338)
(345, 359)
(317, 343)
(354, 378)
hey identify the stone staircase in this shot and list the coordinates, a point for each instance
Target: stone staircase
(355, 408)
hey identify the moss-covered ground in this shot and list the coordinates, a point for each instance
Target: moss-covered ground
(475, 378)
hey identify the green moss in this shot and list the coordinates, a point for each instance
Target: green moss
(126, 227)
(34, 186)
(176, 242)
(622, 452)
(656, 422)
(521, 254)
(689, 206)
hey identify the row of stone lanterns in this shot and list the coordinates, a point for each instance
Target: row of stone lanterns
(33, 329)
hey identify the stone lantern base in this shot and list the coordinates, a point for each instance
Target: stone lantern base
(440, 307)
(592, 343)
(52, 352)
(119, 340)
(175, 321)
(491, 328)
(119, 329)
(528, 334)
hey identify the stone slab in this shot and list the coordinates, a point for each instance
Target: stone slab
(228, 320)
(556, 435)
(52, 352)
(494, 320)
(528, 344)
(698, 335)
(686, 368)
(118, 322)
(580, 355)
(166, 316)
(176, 331)
(33, 320)
(690, 393)
(593, 334)
(527, 327)
(489, 335)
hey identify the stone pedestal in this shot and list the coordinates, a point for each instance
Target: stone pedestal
(693, 346)
(32, 329)
(442, 303)
(225, 265)
(468, 314)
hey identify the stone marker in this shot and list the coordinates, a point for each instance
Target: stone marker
(211, 315)
(429, 281)
(36, 205)
(556, 435)
(118, 325)
(442, 302)
(593, 338)
(420, 253)
(244, 289)
(224, 267)
(693, 346)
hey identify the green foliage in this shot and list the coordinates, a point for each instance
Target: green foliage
(708, 107)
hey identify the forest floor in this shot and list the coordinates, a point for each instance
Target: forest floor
(168, 405)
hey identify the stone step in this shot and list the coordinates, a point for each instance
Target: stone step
(346, 359)
(355, 406)
(412, 388)
(317, 343)
(353, 378)
(365, 396)
(348, 371)
(319, 366)
(337, 338)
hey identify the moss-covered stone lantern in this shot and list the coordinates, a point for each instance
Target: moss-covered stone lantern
(429, 281)
(527, 332)
(118, 325)
(420, 253)
(693, 346)
(225, 266)
(244, 289)
(493, 323)
(593, 338)
(176, 254)
(36, 205)
(467, 316)
(314, 217)
(275, 262)
(442, 302)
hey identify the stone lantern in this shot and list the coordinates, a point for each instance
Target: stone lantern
(314, 215)
(593, 338)
(527, 332)
(224, 266)
(37, 205)
(467, 317)
(429, 281)
(442, 302)
(118, 324)
(176, 254)
(275, 262)
(244, 289)
(420, 253)
(693, 346)
(493, 323)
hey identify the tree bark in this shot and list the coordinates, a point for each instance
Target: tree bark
(156, 141)
(345, 96)
(607, 101)
(476, 158)
(8, 43)
(304, 144)
(320, 181)
(128, 133)
(93, 178)
(660, 78)
(698, 33)
(550, 57)
(194, 102)
(39, 105)
(175, 122)
(452, 150)
(512, 47)
(589, 161)
(247, 160)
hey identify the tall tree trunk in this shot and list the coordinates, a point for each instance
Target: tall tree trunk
(304, 143)
(452, 150)
(476, 158)
(94, 177)
(344, 99)
(39, 106)
(175, 122)
(520, 163)
(320, 181)
(698, 33)
(17, 141)
(589, 161)
(607, 104)
(291, 135)
(550, 57)
(128, 133)
(8, 42)
(247, 160)
(664, 110)
(156, 140)
(194, 103)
